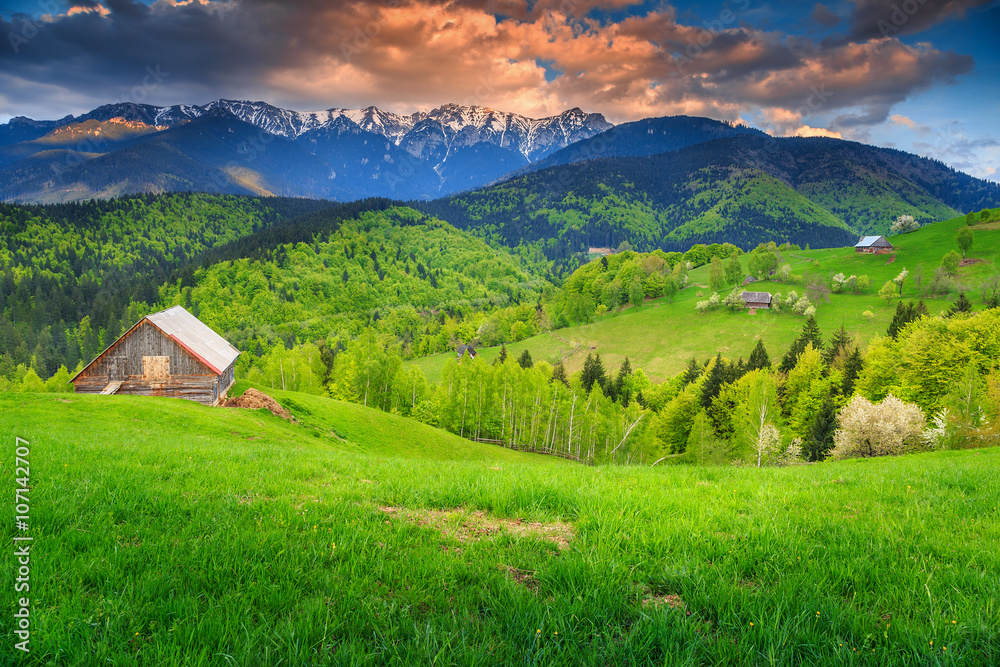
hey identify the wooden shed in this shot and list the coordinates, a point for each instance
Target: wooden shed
(756, 299)
(875, 245)
(169, 353)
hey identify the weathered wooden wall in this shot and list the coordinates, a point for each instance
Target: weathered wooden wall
(188, 377)
(145, 340)
(201, 388)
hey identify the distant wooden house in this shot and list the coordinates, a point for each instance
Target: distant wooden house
(603, 252)
(748, 280)
(873, 245)
(169, 353)
(465, 349)
(756, 300)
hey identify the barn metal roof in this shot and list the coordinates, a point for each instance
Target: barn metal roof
(196, 337)
(869, 241)
(757, 297)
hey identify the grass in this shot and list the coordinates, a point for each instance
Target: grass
(170, 533)
(660, 337)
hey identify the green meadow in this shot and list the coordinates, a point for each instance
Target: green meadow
(169, 533)
(660, 337)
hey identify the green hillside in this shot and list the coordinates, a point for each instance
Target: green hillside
(660, 337)
(392, 271)
(743, 190)
(170, 533)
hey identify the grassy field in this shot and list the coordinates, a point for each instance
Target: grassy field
(169, 533)
(660, 337)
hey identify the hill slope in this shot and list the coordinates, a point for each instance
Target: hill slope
(743, 190)
(660, 337)
(178, 533)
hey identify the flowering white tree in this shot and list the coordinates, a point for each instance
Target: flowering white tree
(878, 429)
(904, 224)
(900, 279)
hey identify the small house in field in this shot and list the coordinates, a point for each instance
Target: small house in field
(873, 245)
(756, 300)
(169, 353)
(748, 280)
(464, 350)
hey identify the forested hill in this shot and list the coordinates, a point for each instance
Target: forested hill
(644, 137)
(73, 277)
(743, 190)
(65, 264)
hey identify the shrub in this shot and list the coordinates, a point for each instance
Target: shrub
(950, 262)
(734, 301)
(878, 429)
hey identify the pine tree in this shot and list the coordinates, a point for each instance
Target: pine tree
(503, 356)
(525, 360)
(810, 334)
(962, 305)
(559, 373)
(713, 383)
(820, 439)
(692, 372)
(593, 372)
(852, 369)
(621, 389)
(758, 358)
(841, 341)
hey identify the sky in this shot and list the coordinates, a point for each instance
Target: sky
(917, 75)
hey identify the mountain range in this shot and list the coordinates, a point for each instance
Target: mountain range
(253, 147)
(565, 182)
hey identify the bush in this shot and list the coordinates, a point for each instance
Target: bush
(950, 262)
(878, 429)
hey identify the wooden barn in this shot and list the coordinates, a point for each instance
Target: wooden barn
(874, 245)
(169, 353)
(756, 299)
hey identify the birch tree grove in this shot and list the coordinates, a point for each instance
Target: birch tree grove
(524, 408)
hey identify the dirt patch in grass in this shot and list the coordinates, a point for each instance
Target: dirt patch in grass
(524, 578)
(466, 526)
(971, 261)
(254, 400)
(671, 600)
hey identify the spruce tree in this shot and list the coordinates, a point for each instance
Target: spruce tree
(841, 341)
(899, 320)
(692, 372)
(525, 360)
(820, 439)
(758, 358)
(810, 334)
(962, 305)
(593, 372)
(559, 373)
(503, 355)
(713, 384)
(620, 388)
(852, 369)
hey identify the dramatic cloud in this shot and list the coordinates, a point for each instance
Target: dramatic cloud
(536, 58)
(822, 15)
(873, 19)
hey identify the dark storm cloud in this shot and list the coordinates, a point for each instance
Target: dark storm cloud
(872, 19)
(822, 15)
